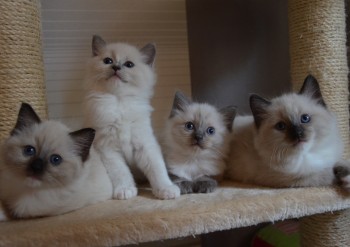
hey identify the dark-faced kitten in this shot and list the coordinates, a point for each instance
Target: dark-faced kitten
(195, 144)
(292, 140)
(46, 169)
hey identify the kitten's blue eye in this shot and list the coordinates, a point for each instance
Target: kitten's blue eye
(305, 118)
(29, 150)
(280, 126)
(211, 130)
(189, 125)
(129, 64)
(108, 60)
(55, 159)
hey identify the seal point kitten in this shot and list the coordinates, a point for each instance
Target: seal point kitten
(195, 144)
(47, 170)
(120, 83)
(292, 140)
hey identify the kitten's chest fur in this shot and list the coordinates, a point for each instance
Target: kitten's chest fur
(192, 165)
(117, 119)
(108, 110)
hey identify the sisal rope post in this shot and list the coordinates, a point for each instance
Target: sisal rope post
(314, 228)
(318, 46)
(21, 61)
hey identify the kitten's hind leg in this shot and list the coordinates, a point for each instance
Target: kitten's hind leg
(120, 174)
(342, 174)
(204, 185)
(150, 161)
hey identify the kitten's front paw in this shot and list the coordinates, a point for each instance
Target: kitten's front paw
(124, 193)
(185, 187)
(206, 185)
(169, 192)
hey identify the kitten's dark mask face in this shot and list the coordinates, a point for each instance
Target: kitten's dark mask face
(38, 164)
(296, 131)
(45, 153)
(199, 135)
(291, 124)
(200, 125)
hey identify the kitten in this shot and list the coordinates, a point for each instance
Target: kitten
(292, 140)
(47, 170)
(195, 144)
(120, 82)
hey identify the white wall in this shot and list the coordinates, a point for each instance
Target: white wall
(68, 27)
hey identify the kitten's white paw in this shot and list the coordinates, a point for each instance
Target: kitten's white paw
(169, 192)
(124, 193)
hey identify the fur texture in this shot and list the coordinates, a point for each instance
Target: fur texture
(292, 140)
(195, 144)
(47, 170)
(120, 81)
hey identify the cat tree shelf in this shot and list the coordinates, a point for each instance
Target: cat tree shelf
(317, 45)
(145, 218)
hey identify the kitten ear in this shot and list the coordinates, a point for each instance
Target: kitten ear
(312, 89)
(180, 103)
(149, 51)
(97, 45)
(83, 139)
(229, 113)
(26, 118)
(258, 106)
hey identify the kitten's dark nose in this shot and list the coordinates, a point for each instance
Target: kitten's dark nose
(37, 166)
(198, 137)
(116, 67)
(297, 132)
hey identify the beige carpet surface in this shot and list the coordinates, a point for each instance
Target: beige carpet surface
(145, 218)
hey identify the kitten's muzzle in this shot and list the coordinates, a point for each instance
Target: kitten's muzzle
(116, 67)
(37, 166)
(198, 137)
(296, 133)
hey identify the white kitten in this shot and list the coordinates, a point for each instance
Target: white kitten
(120, 81)
(195, 145)
(292, 140)
(47, 170)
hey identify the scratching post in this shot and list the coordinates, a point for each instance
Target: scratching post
(323, 229)
(21, 62)
(317, 46)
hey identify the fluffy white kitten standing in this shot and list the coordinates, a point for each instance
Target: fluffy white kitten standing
(195, 144)
(292, 140)
(120, 82)
(47, 170)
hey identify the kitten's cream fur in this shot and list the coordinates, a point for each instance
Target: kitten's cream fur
(80, 180)
(194, 154)
(268, 153)
(118, 106)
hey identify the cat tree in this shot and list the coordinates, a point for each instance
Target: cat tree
(317, 40)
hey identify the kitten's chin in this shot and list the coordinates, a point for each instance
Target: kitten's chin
(33, 182)
(198, 146)
(299, 144)
(116, 78)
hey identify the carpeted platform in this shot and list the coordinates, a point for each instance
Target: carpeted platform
(145, 218)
